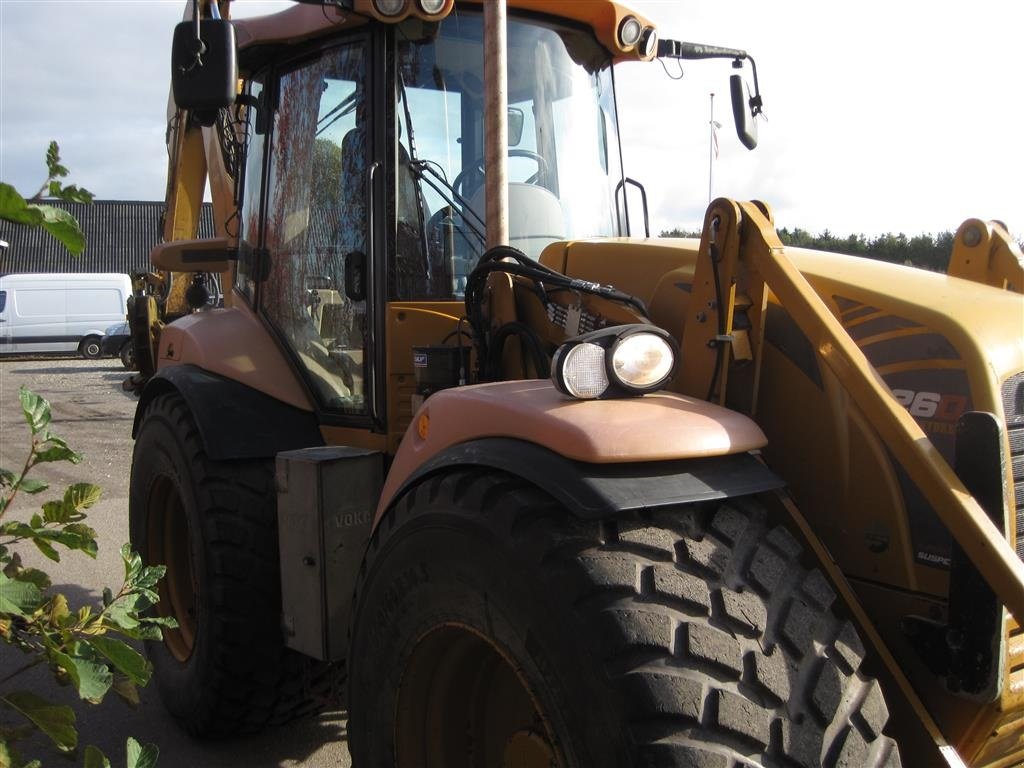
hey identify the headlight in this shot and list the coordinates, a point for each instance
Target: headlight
(629, 32)
(389, 7)
(432, 6)
(620, 361)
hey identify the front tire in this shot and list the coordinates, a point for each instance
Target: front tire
(493, 628)
(226, 669)
(89, 348)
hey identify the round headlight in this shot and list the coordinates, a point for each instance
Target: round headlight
(432, 6)
(629, 32)
(642, 361)
(648, 42)
(583, 371)
(389, 7)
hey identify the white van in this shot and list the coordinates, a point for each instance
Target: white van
(60, 312)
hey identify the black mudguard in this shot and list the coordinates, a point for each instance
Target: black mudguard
(595, 491)
(235, 421)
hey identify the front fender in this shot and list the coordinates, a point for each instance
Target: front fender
(654, 429)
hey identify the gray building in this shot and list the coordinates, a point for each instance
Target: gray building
(119, 237)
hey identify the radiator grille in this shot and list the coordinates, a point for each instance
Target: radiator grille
(1013, 407)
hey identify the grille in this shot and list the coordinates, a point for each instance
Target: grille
(1013, 407)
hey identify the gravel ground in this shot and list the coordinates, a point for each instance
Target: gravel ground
(94, 415)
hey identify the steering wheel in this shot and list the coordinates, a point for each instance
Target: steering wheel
(472, 176)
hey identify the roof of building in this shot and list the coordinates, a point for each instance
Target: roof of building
(119, 236)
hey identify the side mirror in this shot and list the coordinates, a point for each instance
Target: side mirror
(204, 66)
(515, 126)
(743, 111)
(213, 255)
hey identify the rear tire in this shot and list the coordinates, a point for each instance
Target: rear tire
(689, 637)
(89, 348)
(226, 669)
(127, 355)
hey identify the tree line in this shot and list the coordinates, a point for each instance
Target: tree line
(924, 251)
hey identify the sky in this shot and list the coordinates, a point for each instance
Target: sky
(882, 115)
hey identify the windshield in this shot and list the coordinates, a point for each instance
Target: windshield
(563, 147)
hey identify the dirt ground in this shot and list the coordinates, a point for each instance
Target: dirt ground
(94, 415)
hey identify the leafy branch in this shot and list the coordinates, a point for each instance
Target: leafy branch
(58, 222)
(78, 645)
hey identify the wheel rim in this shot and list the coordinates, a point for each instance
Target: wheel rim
(92, 349)
(462, 704)
(169, 544)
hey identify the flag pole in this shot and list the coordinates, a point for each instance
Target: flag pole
(711, 147)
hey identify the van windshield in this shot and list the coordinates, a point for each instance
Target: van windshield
(563, 164)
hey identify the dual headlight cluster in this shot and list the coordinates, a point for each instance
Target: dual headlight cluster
(395, 7)
(621, 361)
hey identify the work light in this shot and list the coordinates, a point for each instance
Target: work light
(432, 6)
(621, 361)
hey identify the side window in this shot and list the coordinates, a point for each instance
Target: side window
(316, 223)
(3, 300)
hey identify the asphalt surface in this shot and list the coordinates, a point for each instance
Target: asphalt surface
(94, 415)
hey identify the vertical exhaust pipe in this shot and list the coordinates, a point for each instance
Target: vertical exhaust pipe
(496, 122)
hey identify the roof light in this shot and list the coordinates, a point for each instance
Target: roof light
(389, 7)
(629, 32)
(648, 42)
(431, 7)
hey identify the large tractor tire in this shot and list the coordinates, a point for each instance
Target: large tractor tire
(495, 629)
(225, 670)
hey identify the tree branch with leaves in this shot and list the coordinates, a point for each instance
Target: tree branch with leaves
(33, 212)
(80, 646)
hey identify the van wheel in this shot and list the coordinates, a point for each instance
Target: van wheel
(90, 347)
(127, 355)
(494, 628)
(225, 669)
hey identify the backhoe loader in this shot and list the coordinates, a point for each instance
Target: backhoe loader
(524, 490)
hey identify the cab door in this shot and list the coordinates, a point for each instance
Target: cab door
(316, 226)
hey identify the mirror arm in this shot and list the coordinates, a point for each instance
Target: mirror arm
(756, 105)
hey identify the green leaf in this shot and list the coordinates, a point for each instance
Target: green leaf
(142, 756)
(7, 478)
(126, 689)
(82, 495)
(149, 576)
(124, 658)
(63, 226)
(53, 165)
(14, 208)
(57, 453)
(28, 485)
(91, 678)
(57, 722)
(75, 194)
(95, 759)
(54, 512)
(36, 410)
(33, 576)
(21, 598)
(47, 549)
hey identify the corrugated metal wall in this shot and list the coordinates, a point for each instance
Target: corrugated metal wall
(119, 236)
